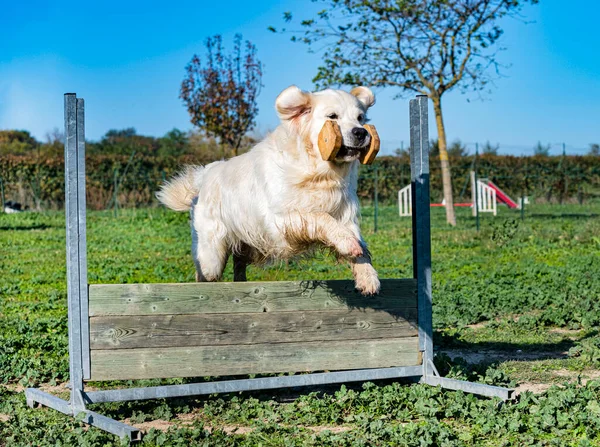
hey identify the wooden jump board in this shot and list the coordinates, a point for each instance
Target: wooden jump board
(142, 331)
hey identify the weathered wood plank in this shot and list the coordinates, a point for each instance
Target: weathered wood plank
(224, 297)
(124, 364)
(161, 331)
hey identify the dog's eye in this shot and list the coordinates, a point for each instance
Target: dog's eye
(361, 118)
(332, 116)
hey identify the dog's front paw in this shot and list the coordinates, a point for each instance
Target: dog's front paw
(349, 246)
(368, 286)
(366, 279)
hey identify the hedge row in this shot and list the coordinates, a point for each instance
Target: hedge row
(39, 183)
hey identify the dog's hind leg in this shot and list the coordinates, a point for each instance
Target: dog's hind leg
(241, 259)
(209, 246)
(239, 267)
(210, 260)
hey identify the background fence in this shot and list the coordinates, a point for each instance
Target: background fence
(131, 180)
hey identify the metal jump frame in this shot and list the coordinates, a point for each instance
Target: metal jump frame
(77, 290)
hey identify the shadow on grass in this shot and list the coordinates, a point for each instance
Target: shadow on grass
(476, 352)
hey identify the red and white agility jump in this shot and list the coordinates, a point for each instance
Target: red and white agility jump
(488, 195)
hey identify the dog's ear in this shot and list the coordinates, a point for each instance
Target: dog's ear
(292, 103)
(364, 95)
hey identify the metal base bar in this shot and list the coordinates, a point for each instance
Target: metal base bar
(229, 386)
(431, 376)
(33, 395)
(232, 386)
(469, 387)
(89, 417)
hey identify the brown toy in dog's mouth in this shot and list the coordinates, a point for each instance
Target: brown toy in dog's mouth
(331, 147)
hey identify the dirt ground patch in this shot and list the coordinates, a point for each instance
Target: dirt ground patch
(571, 333)
(569, 376)
(585, 375)
(52, 389)
(535, 388)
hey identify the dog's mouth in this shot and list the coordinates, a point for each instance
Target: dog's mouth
(349, 153)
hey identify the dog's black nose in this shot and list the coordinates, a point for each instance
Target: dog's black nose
(360, 133)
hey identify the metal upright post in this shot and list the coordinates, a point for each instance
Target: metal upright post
(77, 287)
(73, 254)
(419, 152)
(419, 164)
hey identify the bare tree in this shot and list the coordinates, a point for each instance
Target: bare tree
(541, 149)
(220, 94)
(55, 142)
(424, 46)
(457, 149)
(594, 149)
(490, 149)
(55, 136)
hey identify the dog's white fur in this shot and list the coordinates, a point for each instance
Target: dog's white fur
(280, 198)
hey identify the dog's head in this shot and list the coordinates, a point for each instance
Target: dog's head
(305, 113)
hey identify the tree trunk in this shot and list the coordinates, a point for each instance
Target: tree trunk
(444, 162)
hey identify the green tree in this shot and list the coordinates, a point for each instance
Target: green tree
(125, 142)
(17, 142)
(173, 144)
(220, 94)
(426, 46)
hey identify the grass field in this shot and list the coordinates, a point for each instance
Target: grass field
(516, 304)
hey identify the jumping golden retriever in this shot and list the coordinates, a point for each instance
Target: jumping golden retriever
(281, 198)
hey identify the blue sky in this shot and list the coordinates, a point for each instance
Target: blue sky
(127, 60)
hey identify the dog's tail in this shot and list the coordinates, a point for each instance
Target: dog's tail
(179, 192)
